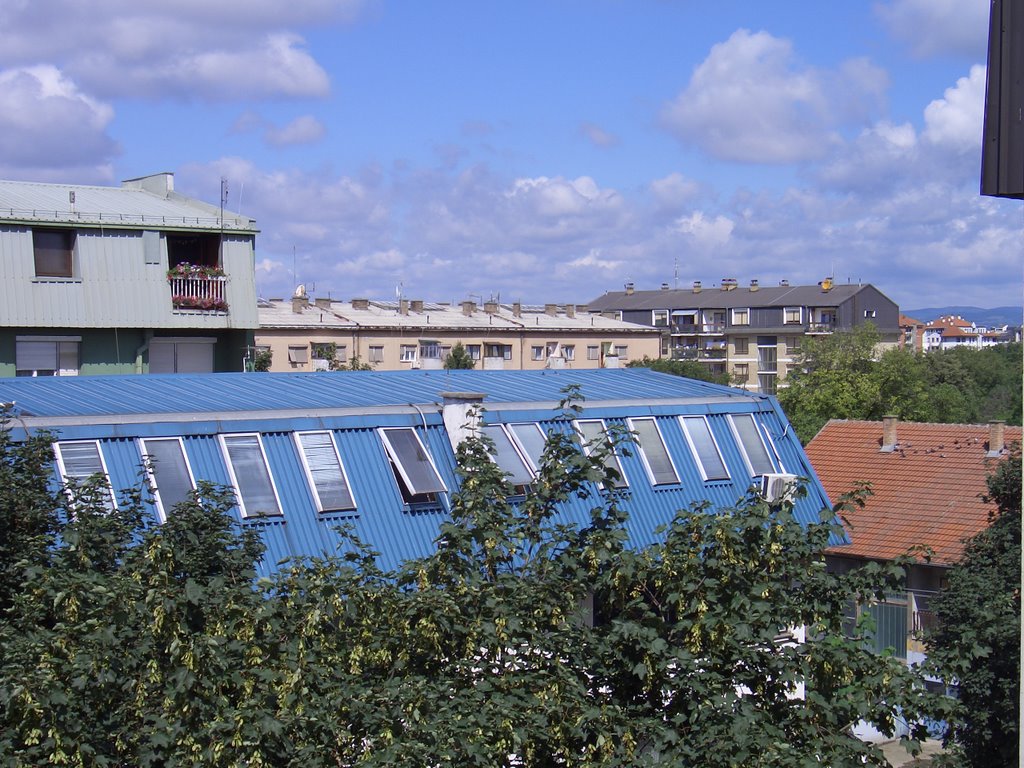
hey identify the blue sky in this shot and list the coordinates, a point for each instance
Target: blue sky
(537, 150)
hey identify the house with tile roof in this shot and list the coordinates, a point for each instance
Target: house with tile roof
(307, 452)
(304, 335)
(953, 331)
(927, 486)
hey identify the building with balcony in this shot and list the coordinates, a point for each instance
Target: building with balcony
(411, 334)
(928, 483)
(129, 279)
(752, 333)
(953, 332)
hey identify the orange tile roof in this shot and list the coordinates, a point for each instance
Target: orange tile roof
(927, 491)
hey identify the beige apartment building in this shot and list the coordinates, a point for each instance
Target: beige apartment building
(305, 335)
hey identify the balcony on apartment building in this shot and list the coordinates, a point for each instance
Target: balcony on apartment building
(684, 329)
(198, 288)
(713, 351)
(685, 353)
(713, 328)
(821, 327)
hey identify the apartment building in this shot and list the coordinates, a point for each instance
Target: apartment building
(953, 331)
(129, 279)
(752, 333)
(304, 335)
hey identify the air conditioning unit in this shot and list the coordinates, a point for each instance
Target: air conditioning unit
(777, 488)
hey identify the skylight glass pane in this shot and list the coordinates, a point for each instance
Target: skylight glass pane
(325, 471)
(169, 471)
(654, 451)
(412, 461)
(506, 456)
(252, 476)
(532, 440)
(753, 444)
(81, 461)
(704, 448)
(592, 432)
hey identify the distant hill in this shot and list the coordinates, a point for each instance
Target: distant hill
(977, 315)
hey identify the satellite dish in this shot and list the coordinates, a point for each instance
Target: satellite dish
(300, 292)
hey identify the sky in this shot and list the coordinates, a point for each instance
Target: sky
(536, 150)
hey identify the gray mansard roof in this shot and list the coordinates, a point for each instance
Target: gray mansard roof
(715, 298)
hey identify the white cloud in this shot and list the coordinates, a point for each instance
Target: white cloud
(933, 27)
(598, 136)
(47, 122)
(956, 120)
(302, 130)
(673, 190)
(706, 231)
(751, 101)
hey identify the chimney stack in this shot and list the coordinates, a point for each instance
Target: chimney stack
(360, 303)
(491, 307)
(728, 283)
(996, 438)
(416, 305)
(517, 309)
(298, 302)
(468, 308)
(323, 304)
(403, 306)
(696, 286)
(551, 309)
(664, 286)
(784, 283)
(754, 286)
(570, 310)
(629, 289)
(889, 433)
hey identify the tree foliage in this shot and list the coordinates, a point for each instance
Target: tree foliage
(691, 369)
(123, 643)
(842, 376)
(458, 359)
(977, 644)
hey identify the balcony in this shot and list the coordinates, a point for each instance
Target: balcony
(712, 354)
(713, 328)
(684, 353)
(198, 288)
(684, 329)
(820, 328)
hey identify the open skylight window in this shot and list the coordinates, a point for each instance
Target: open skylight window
(417, 477)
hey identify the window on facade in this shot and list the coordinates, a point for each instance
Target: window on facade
(474, 351)
(531, 441)
(792, 345)
(34, 357)
(569, 351)
(321, 351)
(506, 455)
(80, 460)
(376, 354)
(250, 475)
(593, 432)
(653, 452)
(324, 471)
(622, 351)
(741, 317)
(503, 351)
(168, 471)
(417, 477)
(659, 317)
(752, 444)
(181, 356)
(767, 383)
(792, 315)
(430, 350)
(742, 345)
(593, 352)
(407, 353)
(54, 252)
(299, 355)
(196, 248)
(869, 313)
(742, 370)
(705, 449)
(536, 353)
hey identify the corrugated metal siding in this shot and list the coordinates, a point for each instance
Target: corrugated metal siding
(381, 519)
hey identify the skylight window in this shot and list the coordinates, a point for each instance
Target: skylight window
(593, 431)
(507, 456)
(169, 473)
(653, 452)
(80, 460)
(417, 477)
(250, 475)
(324, 471)
(752, 445)
(531, 441)
(705, 449)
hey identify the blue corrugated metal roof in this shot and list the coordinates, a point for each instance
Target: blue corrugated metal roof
(119, 410)
(233, 392)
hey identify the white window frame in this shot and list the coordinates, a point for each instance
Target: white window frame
(529, 473)
(622, 351)
(769, 447)
(298, 354)
(613, 456)
(148, 459)
(474, 351)
(376, 353)
(408, 353)
(631, 423)
(531, 462)
(569, 352)
(537, 352)
(234, 478)
(659, 315)
(320, 507)
(741, 312)
(705, 476)
(62, 469)
(593, 352)
(396, 462)
(799, 315)
(870, 313)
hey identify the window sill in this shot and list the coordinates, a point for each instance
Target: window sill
(56, 279)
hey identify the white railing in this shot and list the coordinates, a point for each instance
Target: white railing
(199, 293)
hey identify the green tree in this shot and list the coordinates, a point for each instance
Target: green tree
(263, 360)
(353, 364)
(690, 369)
(130, 644)
(977, 644)
(458, 359)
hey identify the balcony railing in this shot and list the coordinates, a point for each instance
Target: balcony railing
(821, 327)
(713, 327)
(684, 353)
(684, 329)
(712, 354)
(205, 294)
